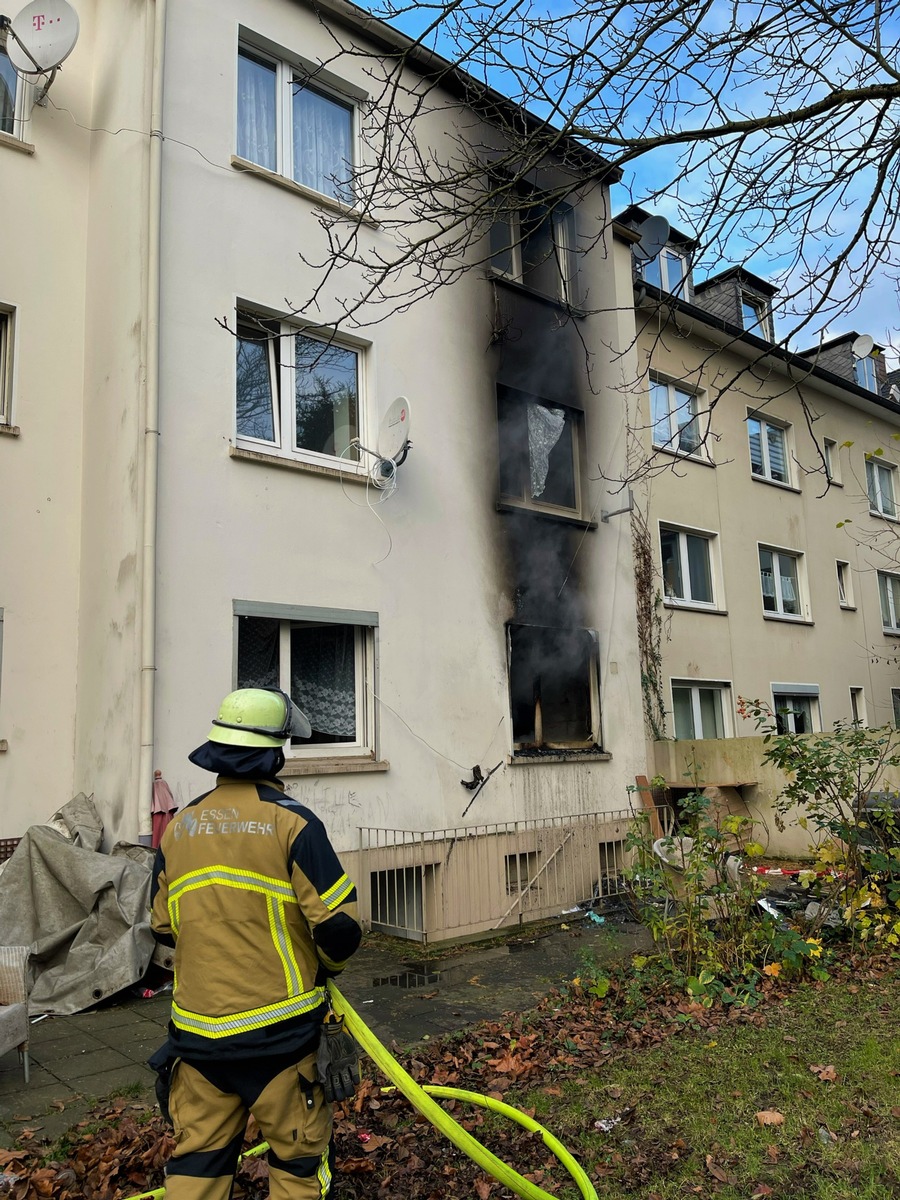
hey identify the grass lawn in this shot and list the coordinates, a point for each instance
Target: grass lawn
(687, 1106)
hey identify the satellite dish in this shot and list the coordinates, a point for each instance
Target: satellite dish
(654, 235)
(863, 346)
(43, 35)
(393, 433)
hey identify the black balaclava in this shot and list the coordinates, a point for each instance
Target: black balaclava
(239, 762)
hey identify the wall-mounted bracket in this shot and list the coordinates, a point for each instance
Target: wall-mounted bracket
(604, 515)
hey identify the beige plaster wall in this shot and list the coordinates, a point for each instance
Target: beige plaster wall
(435, 572)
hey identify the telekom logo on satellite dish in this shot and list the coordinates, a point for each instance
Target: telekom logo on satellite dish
(43, 36)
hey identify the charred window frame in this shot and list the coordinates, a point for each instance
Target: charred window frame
(554, 688)
(533, 241)
(541, 447)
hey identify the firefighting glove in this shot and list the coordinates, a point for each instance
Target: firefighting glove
(337, 1061)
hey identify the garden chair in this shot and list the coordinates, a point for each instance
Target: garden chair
(14, 1003)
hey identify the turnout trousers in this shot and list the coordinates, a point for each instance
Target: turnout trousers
(209, 1104)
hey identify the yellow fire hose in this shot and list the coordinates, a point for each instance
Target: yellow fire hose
(421, 1099)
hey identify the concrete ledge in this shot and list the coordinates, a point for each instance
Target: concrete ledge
(14, 143)
(333, 766)
(296, 464)
(564, 756)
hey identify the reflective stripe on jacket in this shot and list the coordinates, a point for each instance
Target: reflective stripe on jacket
(249, 887)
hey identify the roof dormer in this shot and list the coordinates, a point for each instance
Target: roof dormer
(853, 357)
(670, 269)
(740, 298)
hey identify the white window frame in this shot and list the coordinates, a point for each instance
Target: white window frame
(845, 583)
(800, 691)
(858, 707)
(695, 686)
(673, 409)
(880, 504)
(565, 238)
(778, 613)
(290, 69)
(711, 539)
(766, 422)
(282, 381)
(761, 325)
(662, 261)
(365, 626)
(865, 374)
(886, 593)
(7, 358)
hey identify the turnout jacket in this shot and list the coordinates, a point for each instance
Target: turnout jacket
(249, 888)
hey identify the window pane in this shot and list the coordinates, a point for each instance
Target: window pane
(864, 369)
(256, 110)
(659, 403)
(682, 712)
(754, 430)
(698, 569)
(671, 564)
(886, 619)
(872, 485)
(775, 445)
(327, 397)
(894, 589)
(323, 680)
(674, 269)
(886, 485)
(651, 272)
(255, 411)
(689, 429)
(257, 655)
(767, 579)
(502, 240)
(323, 134)
(895, 704)
(787, 572)
(8, 84)
(512, 441)
(752, 315)
(712, 723)
(540, 260)
(842, 583)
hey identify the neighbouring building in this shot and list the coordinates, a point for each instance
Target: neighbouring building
(187, 508)
(772, 504)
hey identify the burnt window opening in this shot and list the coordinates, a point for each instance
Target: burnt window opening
(521, 870)
(540, 449)
(554, 688)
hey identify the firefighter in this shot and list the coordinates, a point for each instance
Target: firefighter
(250, 892)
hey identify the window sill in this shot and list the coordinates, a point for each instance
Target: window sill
(847, 607)
(13, 143)
(785, 487)
(523, 289)
(333, 766)
(296, 464)
(300, 189)
(4, 745)
(9, 431)
(558, 756)
(873, 512)
(675, 605)
(785, 619)
(510, 506)
(682, 456)
(891, 632)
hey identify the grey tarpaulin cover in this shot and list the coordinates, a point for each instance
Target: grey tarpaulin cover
(84, 914)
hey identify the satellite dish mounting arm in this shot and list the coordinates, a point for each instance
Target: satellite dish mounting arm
(6, 27)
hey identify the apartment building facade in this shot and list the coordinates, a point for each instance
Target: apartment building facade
(771, 505)
(189, 509)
